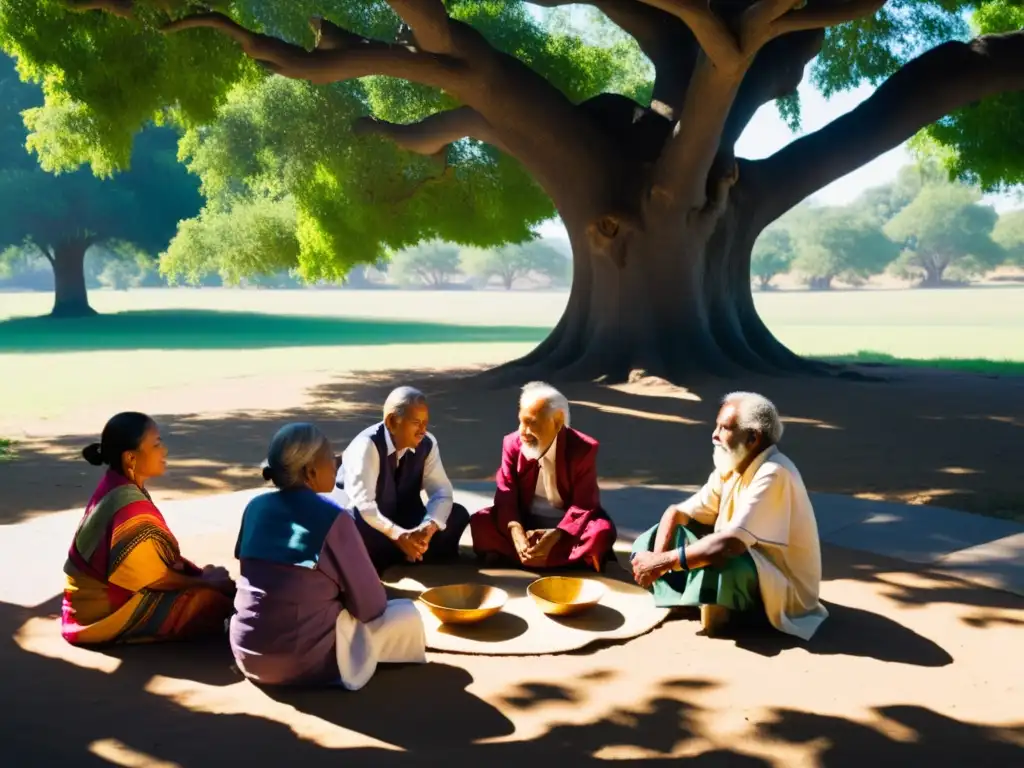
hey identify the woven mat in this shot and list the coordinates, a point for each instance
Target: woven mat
(521, 629)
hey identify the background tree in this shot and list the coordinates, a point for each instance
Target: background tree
(63, 216)
(772, 255)
(661, 216)
(943, 229)
(841, 243)
(432, 264)
(58, 218)
(1009, 235)
(515, 262)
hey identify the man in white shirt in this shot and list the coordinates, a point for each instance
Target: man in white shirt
(764, 554)
(383, 472)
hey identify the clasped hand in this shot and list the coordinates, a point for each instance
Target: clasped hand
(414, 544)
(533, 547)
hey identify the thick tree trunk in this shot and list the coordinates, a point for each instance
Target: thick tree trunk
(71, 298)
(680, 308)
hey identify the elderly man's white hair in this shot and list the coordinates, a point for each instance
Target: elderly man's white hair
(756, 413)
(401, 400)
(554, 401)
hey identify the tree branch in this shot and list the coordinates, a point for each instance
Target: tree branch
(715, 38)
(429, 22)
(432, 134)
(940, 81)
(334, 63)
(777, 70)
(820, 16)
(122, 8)
(663, 37)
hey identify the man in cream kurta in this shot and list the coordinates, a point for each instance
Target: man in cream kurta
(761, 513)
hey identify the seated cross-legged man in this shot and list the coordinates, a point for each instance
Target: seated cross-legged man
(763, 557)
(547, 507)
(384, 470)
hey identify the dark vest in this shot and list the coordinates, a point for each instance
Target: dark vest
(400, 502)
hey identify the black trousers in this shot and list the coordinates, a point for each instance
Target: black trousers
(444, 546)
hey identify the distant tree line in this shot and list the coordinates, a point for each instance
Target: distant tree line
(921, 227)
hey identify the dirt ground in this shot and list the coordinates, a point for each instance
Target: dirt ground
(911, 668)
(918, 437)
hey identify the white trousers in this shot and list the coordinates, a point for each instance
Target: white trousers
(396, 637)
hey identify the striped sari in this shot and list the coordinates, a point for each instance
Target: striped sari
(126, 579)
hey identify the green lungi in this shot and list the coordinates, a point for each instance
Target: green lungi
(732, 586)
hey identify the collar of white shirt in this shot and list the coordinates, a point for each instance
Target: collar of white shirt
(391, 444)
(760, 459)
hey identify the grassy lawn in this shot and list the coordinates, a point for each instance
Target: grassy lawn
(206, 329)
(6, 449)
(158, 338)
(981, 366)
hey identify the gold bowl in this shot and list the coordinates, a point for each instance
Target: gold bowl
(464, 603)
(565, 596)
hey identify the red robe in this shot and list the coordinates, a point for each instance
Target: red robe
(590, 533)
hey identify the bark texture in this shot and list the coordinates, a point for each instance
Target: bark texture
(661, 215)
(70, 296)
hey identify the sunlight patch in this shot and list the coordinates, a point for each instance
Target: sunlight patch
(117, 753)
(42, 637)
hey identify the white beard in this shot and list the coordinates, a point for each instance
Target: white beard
(533, 452)
(726, 459)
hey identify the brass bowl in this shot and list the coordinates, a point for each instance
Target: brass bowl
(565, 596)
(464, 603)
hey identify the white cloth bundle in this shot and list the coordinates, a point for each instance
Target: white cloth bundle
(395, 637)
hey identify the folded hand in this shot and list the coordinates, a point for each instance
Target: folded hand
(540, 544)
(413, 545)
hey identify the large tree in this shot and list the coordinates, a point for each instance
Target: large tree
(661, 215)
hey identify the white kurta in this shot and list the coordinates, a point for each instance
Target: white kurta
(547, 508)
(769, 509)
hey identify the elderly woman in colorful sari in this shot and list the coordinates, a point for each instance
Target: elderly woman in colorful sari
(126, 579)
(310, 608)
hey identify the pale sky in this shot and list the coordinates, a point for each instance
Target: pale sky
(766, 134)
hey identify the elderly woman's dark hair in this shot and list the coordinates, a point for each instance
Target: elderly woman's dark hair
(293, 448)
(124, 432)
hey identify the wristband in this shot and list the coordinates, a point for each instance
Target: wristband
(682, 559)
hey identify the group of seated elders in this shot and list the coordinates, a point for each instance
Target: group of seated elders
(309, 606)
(747, 542)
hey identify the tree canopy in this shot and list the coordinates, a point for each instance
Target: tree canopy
(472, 121)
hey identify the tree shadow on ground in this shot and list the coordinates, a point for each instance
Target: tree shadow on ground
(63, 713)
(207, 329)
(649, 435)
(922, 737)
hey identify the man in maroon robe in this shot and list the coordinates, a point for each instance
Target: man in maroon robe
(547, 507)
